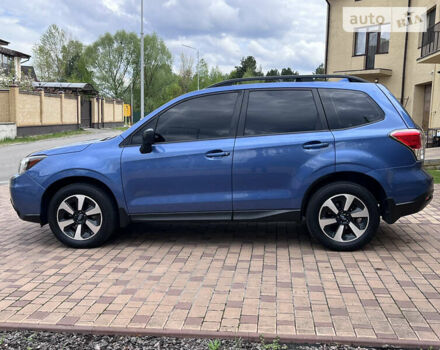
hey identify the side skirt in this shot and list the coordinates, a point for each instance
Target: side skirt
(249, 215)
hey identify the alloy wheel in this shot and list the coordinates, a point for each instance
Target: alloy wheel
(344, 218)
(79, 217)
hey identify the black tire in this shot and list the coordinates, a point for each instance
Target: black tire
(338, 193)
(95, 197)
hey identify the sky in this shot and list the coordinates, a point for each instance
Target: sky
(278, 33)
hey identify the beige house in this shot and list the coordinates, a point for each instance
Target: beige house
(407, 63)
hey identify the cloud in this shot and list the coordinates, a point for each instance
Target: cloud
(279, 33)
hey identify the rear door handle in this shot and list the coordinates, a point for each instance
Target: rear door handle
(315, 145)
(217, 153)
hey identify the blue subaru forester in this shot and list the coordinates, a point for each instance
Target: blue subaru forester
(339, 154)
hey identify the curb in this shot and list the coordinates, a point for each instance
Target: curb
(298, 339)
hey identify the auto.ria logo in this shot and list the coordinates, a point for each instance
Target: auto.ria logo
(396, 19)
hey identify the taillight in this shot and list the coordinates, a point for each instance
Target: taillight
(413, 139)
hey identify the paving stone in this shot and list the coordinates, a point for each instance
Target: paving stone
(269, 278)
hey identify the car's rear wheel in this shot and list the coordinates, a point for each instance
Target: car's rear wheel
(343, 216)
(82, 216)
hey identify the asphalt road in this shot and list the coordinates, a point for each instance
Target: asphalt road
(11, 155)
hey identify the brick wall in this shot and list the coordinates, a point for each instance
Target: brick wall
(30, 109)
(4, 106)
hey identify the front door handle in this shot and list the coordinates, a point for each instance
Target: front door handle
(217, 153)
(315, 145)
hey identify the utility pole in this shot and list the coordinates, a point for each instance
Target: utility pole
(131, 102)
(198, 64)
(142, 59)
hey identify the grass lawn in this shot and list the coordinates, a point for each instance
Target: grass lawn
(436, 175)
(122, 128)
(43, 137)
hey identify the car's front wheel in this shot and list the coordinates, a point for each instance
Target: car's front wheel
(82, 216)
(343, 216)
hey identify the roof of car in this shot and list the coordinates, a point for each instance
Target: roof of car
(342, 84)
(307, 85)
(295, 78)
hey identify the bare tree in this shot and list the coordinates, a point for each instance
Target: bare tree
(186, 72)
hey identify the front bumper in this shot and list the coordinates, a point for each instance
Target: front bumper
(26, 197)
(393, 212)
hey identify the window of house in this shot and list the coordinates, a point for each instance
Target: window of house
(430, 17)
(348, 108)
(360, 41)
(280, 112)
(383, 38)
(204, 117)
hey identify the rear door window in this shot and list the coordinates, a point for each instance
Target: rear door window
(281, 112)
(347, 108)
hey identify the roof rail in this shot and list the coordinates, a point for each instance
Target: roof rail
(296, 78)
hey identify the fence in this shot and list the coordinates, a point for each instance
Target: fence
(431, 41)
(432, 138)
(35, 112)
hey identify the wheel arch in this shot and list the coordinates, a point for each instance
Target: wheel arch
(358, 178)
(123, 218)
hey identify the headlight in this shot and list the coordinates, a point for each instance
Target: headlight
(29, 162)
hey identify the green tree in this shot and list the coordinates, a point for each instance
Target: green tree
(75, 65)
(204, 75)
(288, 71)
(48, 54)
(160, 84)
(272, 73)
(113, 60)
(320, 69)
(216, 76)
(247, 66)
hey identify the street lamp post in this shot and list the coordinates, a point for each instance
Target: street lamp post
(131, 103)
(142, 59)
(198, 64)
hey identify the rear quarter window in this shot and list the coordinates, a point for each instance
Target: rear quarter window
(347, 108)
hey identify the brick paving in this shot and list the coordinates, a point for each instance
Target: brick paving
(231, 278)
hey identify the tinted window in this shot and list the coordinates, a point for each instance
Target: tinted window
(279, 112)
(205, 117)
(137, 137)
(345, 108)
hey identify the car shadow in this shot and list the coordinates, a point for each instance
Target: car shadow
(213, 232)
(226, 234)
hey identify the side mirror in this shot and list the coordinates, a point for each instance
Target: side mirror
(147, 141)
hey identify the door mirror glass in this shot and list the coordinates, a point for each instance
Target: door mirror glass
(147, 141)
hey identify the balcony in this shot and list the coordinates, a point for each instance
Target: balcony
(369, 74)
(430, 51)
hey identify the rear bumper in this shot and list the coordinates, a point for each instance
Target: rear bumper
(393, 212)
